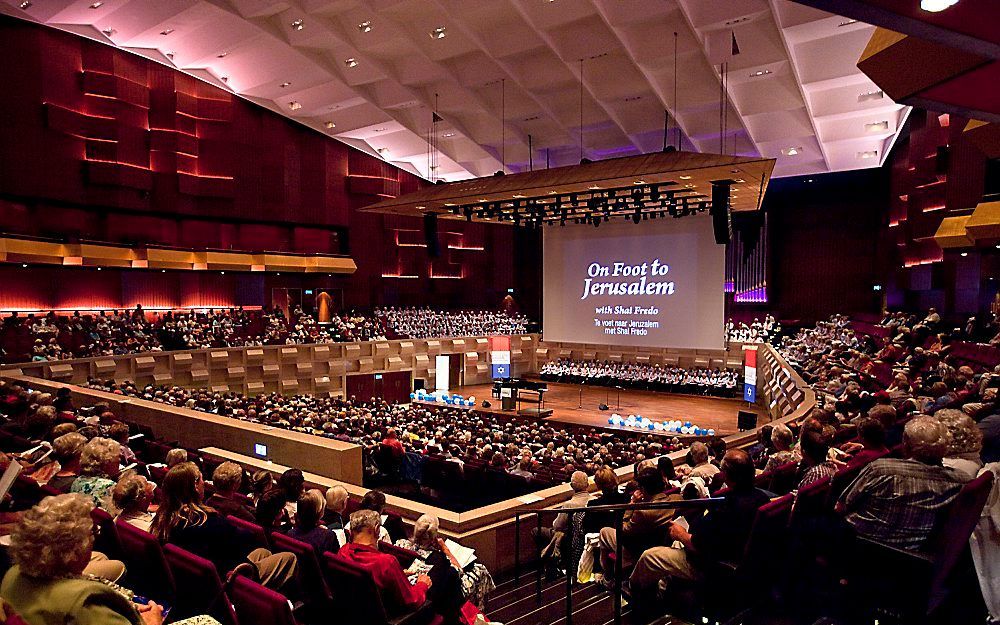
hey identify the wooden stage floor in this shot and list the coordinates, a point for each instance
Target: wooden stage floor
(565, 401)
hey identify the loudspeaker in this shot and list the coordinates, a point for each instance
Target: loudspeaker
(431, 234)
(486, 403)
(722, 219)
(602, 407)
(419, 384)
(746, 420)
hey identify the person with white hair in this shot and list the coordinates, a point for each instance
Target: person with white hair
(98, 470)
(897, 500)
(52, 546)
(552, 538)
(476, 581)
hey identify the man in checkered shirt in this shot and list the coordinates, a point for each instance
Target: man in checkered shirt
(897, 501)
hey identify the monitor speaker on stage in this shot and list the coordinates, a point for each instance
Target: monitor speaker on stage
(722, 219)
(746, 420)
(419, 384)
(486, 403)
(602, 407)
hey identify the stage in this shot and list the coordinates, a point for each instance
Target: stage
(568, 405)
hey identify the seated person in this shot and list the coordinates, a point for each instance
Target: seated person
(398, 596)
(700, 465)
(132, 496)
(720, 534)
(551, 538)
(607, 481)
(870, 444)
(336, 504)
(307, 528)
(51, 548)
(67, 450)
(815, 464)
(227, 479)
(641, 529)
(184, 520)
(897, 500)
(98, 470)
(473, 583)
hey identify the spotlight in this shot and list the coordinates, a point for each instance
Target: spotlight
(438, 33)
(365, 26)
(351, 62)
(298, 24)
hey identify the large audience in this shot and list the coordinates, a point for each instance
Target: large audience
(900, 428)
(52, 336)
(497, 440)
(699, 381)
(422, 323)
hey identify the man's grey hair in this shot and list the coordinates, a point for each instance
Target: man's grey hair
(361, 519)
(336, 498)
(927, 439)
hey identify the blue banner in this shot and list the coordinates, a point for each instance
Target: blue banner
(749, 393)
(500, 371)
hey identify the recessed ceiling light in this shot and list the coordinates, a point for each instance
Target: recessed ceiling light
(639, 182)
(365, 26)
(685, 177)
(877, 94)
(934, 6)
(810, 180)
(594, 187)
(438, 33)
(166, 32)
(868, 154)
(298, 24)
(285, 84)
(449, 204)
(792, 151)
(420, 208)
(25, 5)
(294, 105)
(351, 62)
(222, 55)
(330, 124)
(877, 126)
(964, 254)
(763, 72)
(96, 5)
(107, 31)
(518, 196)
(740, 180)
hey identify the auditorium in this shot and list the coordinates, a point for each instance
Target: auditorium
(510, 312)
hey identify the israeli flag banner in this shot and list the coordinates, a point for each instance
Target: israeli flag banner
(749, 393)
(500, 370)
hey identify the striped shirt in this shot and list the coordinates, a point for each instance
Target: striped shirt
(897, 502)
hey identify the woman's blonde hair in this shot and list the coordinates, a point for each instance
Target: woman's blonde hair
(54, 539)
(97, 454)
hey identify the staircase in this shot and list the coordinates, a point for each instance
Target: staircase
(517, 604)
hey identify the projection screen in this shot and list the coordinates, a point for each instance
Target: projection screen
(658, 283)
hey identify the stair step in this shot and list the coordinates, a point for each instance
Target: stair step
(553, 607)
(525, 588)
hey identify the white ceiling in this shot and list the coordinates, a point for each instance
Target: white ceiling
(519, 60)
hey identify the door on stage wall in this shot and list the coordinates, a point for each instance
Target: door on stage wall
(392, 386)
